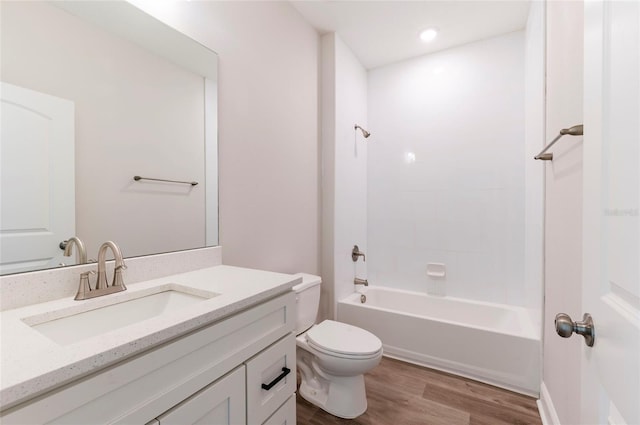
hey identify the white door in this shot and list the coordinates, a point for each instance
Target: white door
(611, 258)
(37, 188)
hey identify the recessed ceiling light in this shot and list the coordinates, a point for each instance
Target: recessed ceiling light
(428, 35)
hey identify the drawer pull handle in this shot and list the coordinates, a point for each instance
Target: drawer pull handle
(285, 372)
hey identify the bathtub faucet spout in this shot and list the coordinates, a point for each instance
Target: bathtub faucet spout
(357, 281)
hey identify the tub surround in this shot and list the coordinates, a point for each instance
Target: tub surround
(442, 197)
(32, 364)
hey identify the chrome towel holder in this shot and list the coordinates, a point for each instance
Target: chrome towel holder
(576, 130)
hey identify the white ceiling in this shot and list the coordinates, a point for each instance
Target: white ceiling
(383, 32)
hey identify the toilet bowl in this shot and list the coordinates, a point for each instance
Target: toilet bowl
(332, 357)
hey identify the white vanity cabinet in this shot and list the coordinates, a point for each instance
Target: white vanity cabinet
(212, 375)
(270, 382)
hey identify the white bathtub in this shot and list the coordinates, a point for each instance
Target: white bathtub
(493, 343)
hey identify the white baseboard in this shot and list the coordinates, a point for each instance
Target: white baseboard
(545, 407)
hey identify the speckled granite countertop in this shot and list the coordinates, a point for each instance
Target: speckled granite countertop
(32, 364)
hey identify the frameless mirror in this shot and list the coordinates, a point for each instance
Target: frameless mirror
(93, 94)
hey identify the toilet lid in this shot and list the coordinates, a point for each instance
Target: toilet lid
(342, 338)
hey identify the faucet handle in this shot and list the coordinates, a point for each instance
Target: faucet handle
(117, 276)
(85, 286)
(355, 253)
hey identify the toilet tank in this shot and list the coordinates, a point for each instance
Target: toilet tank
(307, 301)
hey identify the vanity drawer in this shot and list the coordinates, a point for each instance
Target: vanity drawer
(271, 379)
(221, 403)
(285, 415)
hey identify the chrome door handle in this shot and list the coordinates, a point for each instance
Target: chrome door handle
(565, 327)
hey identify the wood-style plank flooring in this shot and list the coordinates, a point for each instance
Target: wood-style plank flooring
(400, 393)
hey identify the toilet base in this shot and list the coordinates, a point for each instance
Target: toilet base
(341, 396)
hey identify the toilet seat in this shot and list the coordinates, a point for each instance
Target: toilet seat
(343, 340)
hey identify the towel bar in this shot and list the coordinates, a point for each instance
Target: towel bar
(576, 130)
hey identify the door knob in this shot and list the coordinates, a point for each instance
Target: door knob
(565, 327)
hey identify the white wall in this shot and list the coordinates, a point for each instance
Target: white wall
(563, 209)
(268, 127)
(461, 113)
(350, 168)
(534, 171)
(136, 114)
(344, 85)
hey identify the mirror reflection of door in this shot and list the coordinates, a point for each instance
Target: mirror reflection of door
(37, 211)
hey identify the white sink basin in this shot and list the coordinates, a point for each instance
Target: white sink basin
(78, 326)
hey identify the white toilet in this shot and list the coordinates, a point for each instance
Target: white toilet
(332, 356)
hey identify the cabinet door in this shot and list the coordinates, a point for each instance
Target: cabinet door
(285, 415)
(222, 402)
(269, 384)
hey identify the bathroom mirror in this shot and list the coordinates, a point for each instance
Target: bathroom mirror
(93, 94)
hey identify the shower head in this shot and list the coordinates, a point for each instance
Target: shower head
(365, 133)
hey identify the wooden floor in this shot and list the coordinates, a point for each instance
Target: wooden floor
(399, 393)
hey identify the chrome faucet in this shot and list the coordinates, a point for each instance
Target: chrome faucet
(81, 252)
(357, 281)
(102, 287)
(117, 271)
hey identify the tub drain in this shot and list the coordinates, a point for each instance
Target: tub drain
(363, 298)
